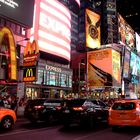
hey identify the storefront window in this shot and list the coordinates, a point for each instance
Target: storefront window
(52, 78)
(63, 80)
(70, 81)
(40, 78)
(32, 93)
(57, 79)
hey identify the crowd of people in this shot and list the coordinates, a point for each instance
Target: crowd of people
(11, 102)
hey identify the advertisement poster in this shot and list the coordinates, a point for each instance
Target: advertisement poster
(134, 64)
(126, 64)
(134, 68)
(126, 33)
(103, 68)
(116, 68)
(92, 29)
(137, 42)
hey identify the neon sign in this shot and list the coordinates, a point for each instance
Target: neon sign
(12, 66)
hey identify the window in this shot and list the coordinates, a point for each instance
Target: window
(124, 106)
(52, 78)
(63, 80)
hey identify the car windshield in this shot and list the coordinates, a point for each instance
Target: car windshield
(53, 102)
(75, 102)
(35, 102)
(124, 106)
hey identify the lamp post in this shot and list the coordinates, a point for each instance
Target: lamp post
(79, 75)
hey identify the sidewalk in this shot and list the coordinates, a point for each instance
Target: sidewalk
(20, 112)
(136, 138)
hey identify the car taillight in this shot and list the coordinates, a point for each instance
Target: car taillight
(58, 107)
(137, 111)
(78, 108)
(39, 107)
(109, 111)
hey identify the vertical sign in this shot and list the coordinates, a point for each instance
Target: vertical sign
(31, 56)
(92, 29)
(6, 34)
(116, 73)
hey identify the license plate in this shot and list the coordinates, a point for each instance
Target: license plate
(67, 111)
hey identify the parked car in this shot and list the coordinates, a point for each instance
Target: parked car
(48, 110)
(7, 118)
(84, 111)
(124, 113)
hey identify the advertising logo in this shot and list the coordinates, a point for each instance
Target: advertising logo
(6, 34)
(92, 29)
(29, 74)
(31, 54)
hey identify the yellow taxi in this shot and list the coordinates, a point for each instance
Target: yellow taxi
(124, 113)
(7, 118)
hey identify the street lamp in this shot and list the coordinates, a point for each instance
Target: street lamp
(79, 75)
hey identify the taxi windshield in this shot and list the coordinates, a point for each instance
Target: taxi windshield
(124, 106)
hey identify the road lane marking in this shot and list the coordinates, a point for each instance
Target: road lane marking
(25, 131)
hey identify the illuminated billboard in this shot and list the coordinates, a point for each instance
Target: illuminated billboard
(78, 2)
(92, 29)
(20, 11)
(126, 33)
(134, 68)
(137, 42)
(31, 56)
(104, 68)
(126, 64)
(7, 38)
(52, 28)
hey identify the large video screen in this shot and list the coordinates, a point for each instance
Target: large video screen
(126, 33)
(52, 28)
(20, 11)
